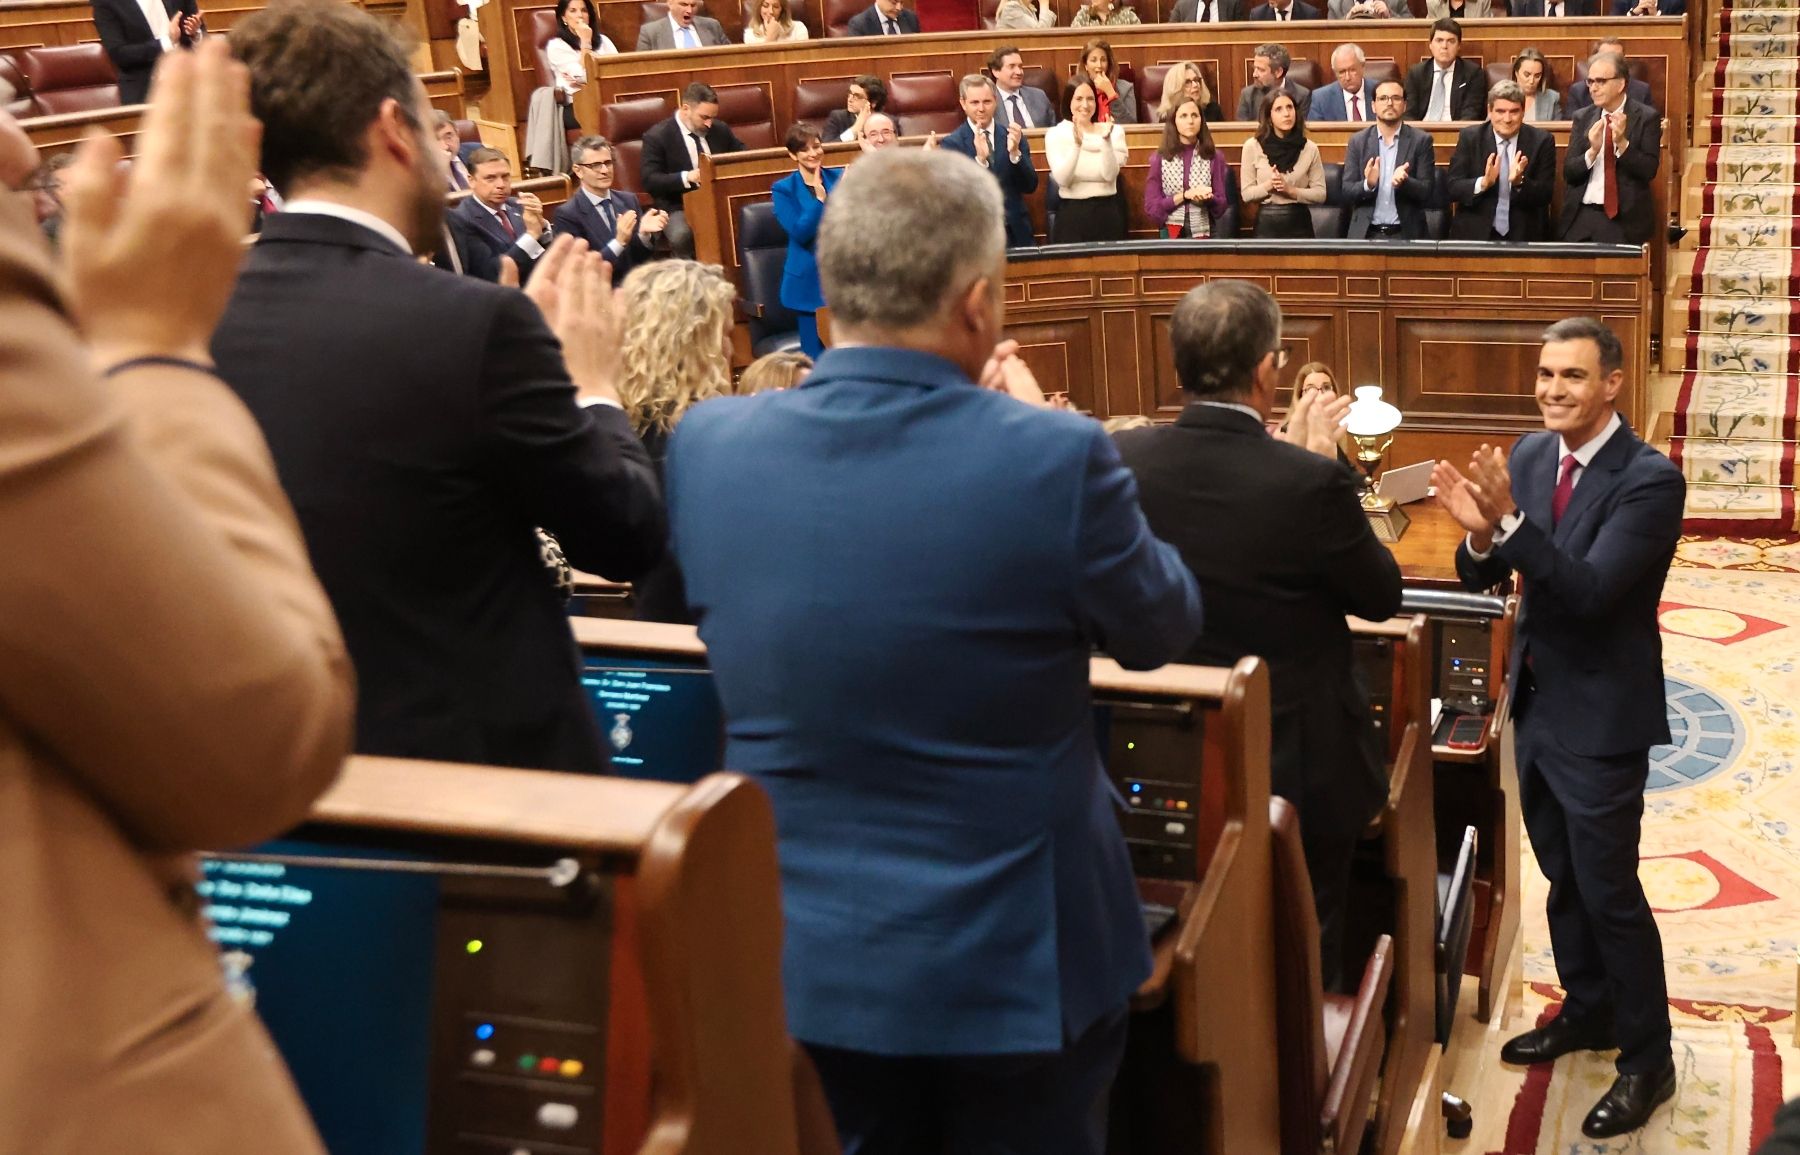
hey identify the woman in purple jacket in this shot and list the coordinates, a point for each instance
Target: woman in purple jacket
(1186, 189)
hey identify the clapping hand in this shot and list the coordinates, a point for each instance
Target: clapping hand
(1313, 424)
(1477, 501)
(982, 152)
(572, 287)
(1594, 133)
(152, 253)
(1518, 170)
(1400, 173)
(1015, 133)
(626, 227)
(1006, 372)
(652, 222)
(1490, 172)
(1372, 172)
(532, 209)
(1278, 182)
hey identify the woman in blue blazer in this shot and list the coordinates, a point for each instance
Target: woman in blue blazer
(799, 205)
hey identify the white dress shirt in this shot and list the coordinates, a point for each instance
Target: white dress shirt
(158, 16)
(1595, 194)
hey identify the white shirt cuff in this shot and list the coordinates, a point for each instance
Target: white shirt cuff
(531, 247)
(614, 247)
(1508, 525)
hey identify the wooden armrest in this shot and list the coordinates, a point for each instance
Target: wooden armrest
(1357, 1064)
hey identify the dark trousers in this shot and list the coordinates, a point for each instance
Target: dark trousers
(1590, 224)
(1038, 1104)
(1583, 814)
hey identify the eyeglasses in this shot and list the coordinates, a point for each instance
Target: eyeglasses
(1597, 81)
(592, 164)
(1390, 98)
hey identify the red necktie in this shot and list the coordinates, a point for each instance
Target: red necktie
(1355, 108)
(506, 223)
(1610, 166)
(1565, 489)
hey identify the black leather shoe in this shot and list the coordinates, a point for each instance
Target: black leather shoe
(1630, 1103)
(1555, 1039)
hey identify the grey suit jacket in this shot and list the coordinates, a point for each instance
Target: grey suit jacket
(659, 35)
(1547, 105)
(1188, 11)
(1037, 107)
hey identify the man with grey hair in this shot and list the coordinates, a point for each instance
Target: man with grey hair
(1001, 149)
(1268, 75)
(1274, 530)
(1503, 174)
(899, 575)
(1351, 97)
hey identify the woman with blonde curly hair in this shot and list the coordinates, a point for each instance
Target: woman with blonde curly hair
(675, 353)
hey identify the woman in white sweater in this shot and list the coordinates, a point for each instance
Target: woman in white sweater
(1085, 157)
(578, 37)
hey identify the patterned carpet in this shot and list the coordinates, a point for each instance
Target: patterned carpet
(1721, 863)
(1735, 417)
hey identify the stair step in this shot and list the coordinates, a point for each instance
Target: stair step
(1755, 274)
(1742, 74)
(1751, 102)
(1734, 130)
(1742, 232)
(1759, 46)
(1750, 164)
(1743, 200)
(1705, 314)
(1740, 510)
(1754, 22)
(1743, 406)
(1755, 463)
(1742, 353)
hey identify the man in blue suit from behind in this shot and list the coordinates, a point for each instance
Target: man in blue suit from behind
(899, 576)
(999, 147)
(1589, 516)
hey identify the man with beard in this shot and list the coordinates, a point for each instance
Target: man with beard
(424, 424)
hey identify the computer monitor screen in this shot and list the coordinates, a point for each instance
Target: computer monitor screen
(339, 966)
(661, 719)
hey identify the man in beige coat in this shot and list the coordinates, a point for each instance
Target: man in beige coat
(171, 677)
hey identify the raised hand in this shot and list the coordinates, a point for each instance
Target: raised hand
(653, 222)
(152, 254)
(627, 227)
(1490, 173)
(982, 151)
(1518, 170)
(1015, 133)
(533, 210)
(1400, 174)
(1372, 172)
(1456, 494)
(573, 289)
(1595, 131)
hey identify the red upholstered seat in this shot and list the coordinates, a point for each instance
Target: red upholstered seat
(925, 101)
(814, 100)
(625, 124)
(750, 113)
(1306, 73)
(1381, 68)
(467, 131)
(1044, 80)
(74, 78)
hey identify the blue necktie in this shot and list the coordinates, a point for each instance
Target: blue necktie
(688, 39)
(1503, 210)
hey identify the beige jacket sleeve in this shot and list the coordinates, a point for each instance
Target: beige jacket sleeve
(162, 637)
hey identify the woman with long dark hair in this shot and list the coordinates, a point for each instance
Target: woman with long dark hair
(1185, 192)
(1282, 171)
(578, 37)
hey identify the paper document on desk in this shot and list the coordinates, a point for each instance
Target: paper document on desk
(1437, 709)
(1407, 484)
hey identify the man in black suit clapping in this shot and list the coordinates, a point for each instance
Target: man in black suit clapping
(134, 42)
(1615, 148)
(423, 424)
(609, 219)
(1273, 529)
(492, 223)
(1502, 174)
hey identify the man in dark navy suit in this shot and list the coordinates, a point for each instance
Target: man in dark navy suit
(905, 670)
(884, 18)
(1001, 149)
(1580, 95)
(1284, 11)
(491, 224)
(134, 41)
(1589, 516)
(607, 218)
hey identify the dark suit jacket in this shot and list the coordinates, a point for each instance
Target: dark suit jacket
(1250, 99)
(1588, 621)
(841, 119)
(665, 158)
(577, 217)
(483, 242)
(1188, 11)
(1536, 8)
(1530, 214)
(1636, 169)
(1663, 7)
(1578, 97)
(422, 425)
(1410, 199)
(890, 681)
(1281, 547)
(1302, 11)
(1329, 103)
(1468, 90)
(1015, 179)
(131, 43)
(868, 22)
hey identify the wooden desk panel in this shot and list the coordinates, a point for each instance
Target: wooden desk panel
(1428, 323)
(41, 23)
